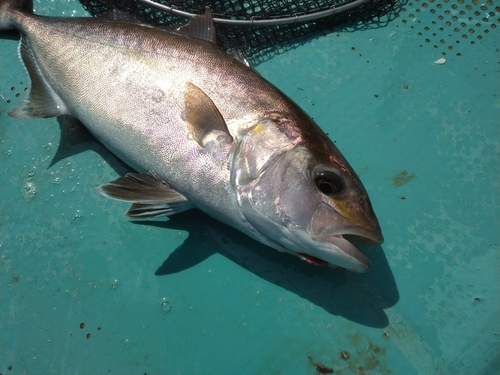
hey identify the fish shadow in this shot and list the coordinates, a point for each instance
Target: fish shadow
(360, 298)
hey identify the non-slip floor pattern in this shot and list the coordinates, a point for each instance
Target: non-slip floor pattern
(83, 290)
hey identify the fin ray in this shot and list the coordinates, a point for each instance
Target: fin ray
(144, 211)
(143, 188)
(151, 196)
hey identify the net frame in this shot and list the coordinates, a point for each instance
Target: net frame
(253, 26)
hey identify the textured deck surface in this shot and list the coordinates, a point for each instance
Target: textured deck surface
(85, 291)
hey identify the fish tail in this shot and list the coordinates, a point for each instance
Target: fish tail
(10, 7)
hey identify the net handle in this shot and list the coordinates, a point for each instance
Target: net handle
(262, 23)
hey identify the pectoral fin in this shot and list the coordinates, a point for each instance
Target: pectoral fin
(152, 196)
(202, 117)
(41, 100)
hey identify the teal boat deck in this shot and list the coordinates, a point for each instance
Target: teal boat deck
(412, 102)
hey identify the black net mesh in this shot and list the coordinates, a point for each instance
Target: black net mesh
(251, 40)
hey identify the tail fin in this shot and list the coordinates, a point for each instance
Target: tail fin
(7, 7)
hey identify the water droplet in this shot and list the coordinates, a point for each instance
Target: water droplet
(345, 355)
(166, 305)
(29, 190)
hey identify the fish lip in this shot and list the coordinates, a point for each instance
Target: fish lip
(354, 259)
(359, 234)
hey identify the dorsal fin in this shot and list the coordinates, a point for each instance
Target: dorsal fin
(238, 55)
(201, 26)
(41, 101)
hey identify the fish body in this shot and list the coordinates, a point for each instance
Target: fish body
(203, 129)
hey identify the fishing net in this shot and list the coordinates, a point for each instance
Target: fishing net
(251, 26)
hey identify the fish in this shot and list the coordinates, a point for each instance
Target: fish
(200, 127)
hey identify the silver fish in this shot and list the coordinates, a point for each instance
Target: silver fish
(203, 129)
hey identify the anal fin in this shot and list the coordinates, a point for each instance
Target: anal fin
(146, 211)
(73, 134)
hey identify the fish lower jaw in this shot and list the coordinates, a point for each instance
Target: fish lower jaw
(337, 252)
(311, 259)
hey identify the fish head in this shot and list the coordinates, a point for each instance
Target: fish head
(304, 200)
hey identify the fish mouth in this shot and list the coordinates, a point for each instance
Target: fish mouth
(347, 255)
(313, 260)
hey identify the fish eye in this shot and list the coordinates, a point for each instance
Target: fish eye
(329, 182)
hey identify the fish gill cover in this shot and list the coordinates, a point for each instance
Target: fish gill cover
(255, 25)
